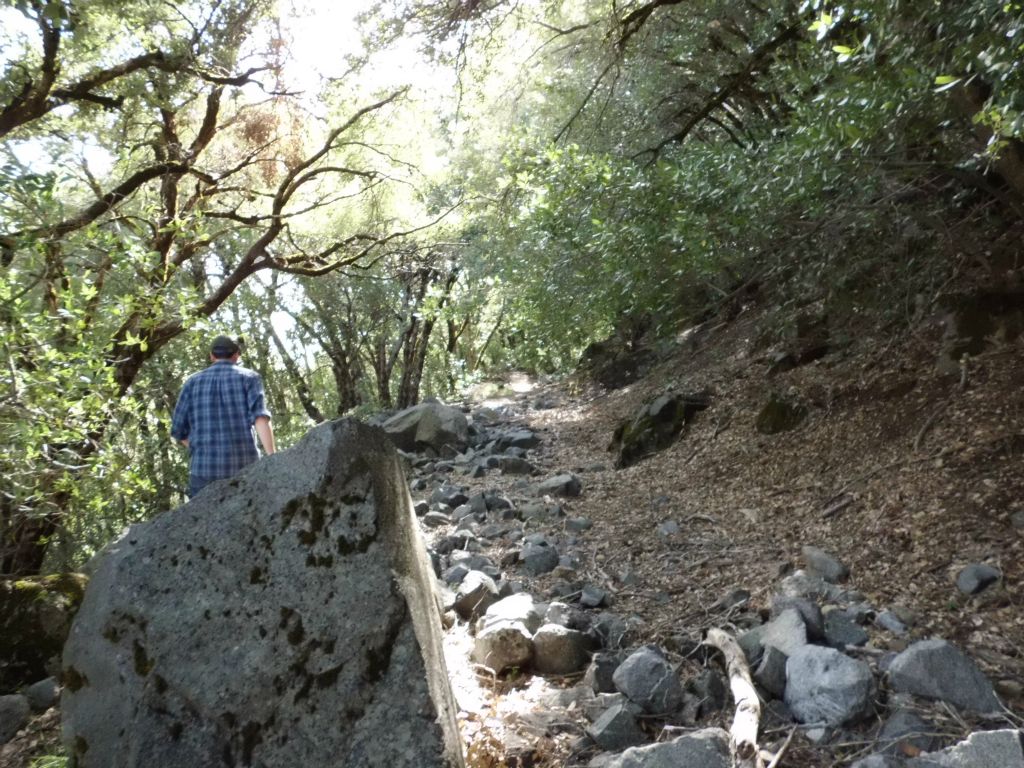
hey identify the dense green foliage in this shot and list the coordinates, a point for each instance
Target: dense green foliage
(544, 174)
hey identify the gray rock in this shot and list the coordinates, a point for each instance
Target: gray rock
(770, 674)
(521, 438)
(558, 650)
(451, 495)
(610, 629)
(648, 680)
(1017, 520)
(824, 686)
(502, 644)
(593, 597)
(617, 728)
(825, 565)
(476, 593)
(985, 749)
(977, 578)
(786, 632)
(519, 607)
(840, 631)
(935, 669)
(906, 728)
(734, 598)
(538, 557)
(14, 715)
(890, 622)
(711, 689)
(561, 485)
(578, 524)
(43, 695)
(596, 705)
(283, 617)
(809, 611)
(428, 425)
(436, 519)
(513, 465)
(708, 748)
(877, 761)
(600, 673)
(809, 585)
(668, 528)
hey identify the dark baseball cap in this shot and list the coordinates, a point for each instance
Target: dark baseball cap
(225, 346)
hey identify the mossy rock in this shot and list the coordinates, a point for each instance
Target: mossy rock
(655, 426)
(974, 322)
(779, 415)
(35, 618)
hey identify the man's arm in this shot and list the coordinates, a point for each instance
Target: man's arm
(265, 432)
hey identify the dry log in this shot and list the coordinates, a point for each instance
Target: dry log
(743, 733)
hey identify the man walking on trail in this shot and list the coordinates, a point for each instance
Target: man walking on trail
(215, 416)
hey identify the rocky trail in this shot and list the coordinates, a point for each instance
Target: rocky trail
(854, 522)
(868, 561)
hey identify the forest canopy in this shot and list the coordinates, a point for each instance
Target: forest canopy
(398, 202)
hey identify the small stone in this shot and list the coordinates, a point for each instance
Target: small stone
(890, 622)
(935, 669)
(708, 748)
(476, 593)
(840, 631)
(712, 691)
(593, 597)
(808, 610)
(421, 508)
(561, 485)
(825, 565)
(771, 672)
(825, 686)
(787, 632)
(14, 715)
(648, 680)
(501, 645)
(578, 524)
(436, 519)
(538, 557)
(1017, 520)
(977, 578)
(513, 465)
(734, 598)
(558, 650)
(877, 761)
(905, 728)
(43, 695)
(599, 673)
(668, 528)
(617, 728)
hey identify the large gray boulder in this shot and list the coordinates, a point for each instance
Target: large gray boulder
(935, 669)
(429, 425)
(283, 617)
(708, 748)
(825, 686)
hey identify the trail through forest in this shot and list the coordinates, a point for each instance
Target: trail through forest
(907, 475)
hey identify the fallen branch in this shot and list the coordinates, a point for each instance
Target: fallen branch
(743, 734)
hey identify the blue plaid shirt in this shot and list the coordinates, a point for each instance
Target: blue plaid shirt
(215, 413)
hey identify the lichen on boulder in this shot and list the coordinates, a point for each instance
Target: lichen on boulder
(35, 617)
(283, 617)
